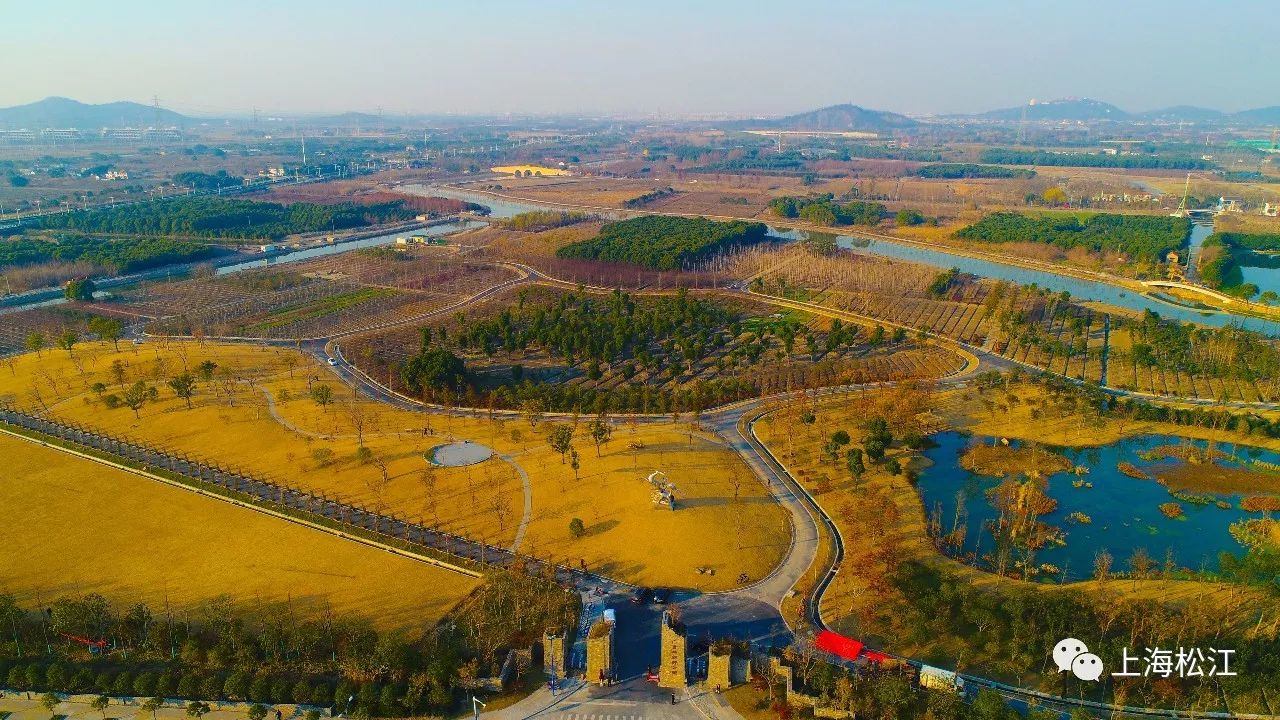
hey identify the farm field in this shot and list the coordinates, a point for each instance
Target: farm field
(91, 528)
(254, 412)
(315, 298)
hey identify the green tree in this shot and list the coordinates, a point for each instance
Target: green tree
(560, 438)
(100, 704)
(853, 461)
(184, 386)
(36, 342)
(322, 394)
(107, 329)
(600, 431)
(151, 705)
(196, 709)
(577, 528)
(135, 396)
(434, 367)
(257, 711)
(68, 339)
(49, 701)
(205, 370)
(80, 290)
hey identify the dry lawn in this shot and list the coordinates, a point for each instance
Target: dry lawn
(293, 440)
(85, 527)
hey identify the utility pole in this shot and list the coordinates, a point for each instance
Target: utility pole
(304, 151)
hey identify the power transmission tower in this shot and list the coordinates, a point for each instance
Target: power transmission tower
(155, 108)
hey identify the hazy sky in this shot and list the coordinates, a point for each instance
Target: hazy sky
(640, 56)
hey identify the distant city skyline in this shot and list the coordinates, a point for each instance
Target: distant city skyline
(657, 58)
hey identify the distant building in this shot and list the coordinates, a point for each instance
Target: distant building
(1271, 210)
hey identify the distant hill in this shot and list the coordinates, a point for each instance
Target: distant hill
(347, 119)
(1183, 113)
(1052, 110)
(1257, 116)
(837, 118)
(60, 112)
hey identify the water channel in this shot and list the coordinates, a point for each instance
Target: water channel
(1080, 289)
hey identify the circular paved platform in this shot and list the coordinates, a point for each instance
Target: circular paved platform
(458, 454)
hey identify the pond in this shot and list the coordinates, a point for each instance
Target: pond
(1080, 289)
(1123, 512)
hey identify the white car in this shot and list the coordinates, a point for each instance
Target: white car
(333, 362)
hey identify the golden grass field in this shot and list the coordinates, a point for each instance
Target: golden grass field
(885, 512)
(293, 440)
(86, 527)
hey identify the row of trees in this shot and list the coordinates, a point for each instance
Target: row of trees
(1225, 352)
(218, 217)
(277, 653)
(119, 256)
(959, 171)
(824, 210)
(1147, 238)
(1011, 156)
(663, 242)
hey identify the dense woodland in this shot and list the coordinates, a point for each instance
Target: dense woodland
(958, 171)
(664, 243)
(1141, 237)
(279, 654)
(614, 343)
(1011, 156)
(222, 218)
(120, 256)
(824, 210)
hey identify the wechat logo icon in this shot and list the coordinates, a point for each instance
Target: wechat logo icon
(1072, 655)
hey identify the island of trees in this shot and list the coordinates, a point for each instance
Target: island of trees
(1140, 237)
(664, 243)
(824, 210)
(1220, 256)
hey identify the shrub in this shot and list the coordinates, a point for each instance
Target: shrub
(576, 527)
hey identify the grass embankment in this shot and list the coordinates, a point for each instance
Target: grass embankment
(255, 413)
(85, 527)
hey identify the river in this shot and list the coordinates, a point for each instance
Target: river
(51, 297)
(1080, 288)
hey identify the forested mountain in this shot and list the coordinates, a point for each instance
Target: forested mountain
(837, 118)
(60, 112)
(1069, 109)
